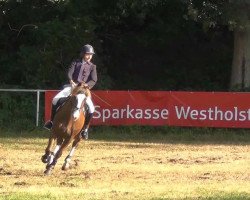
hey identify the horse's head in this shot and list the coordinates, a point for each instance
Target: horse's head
(79, 92)
(80, 88)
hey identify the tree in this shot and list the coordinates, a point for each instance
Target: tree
(153, 47)
(39, 39)
(235, 14)
(140, 44)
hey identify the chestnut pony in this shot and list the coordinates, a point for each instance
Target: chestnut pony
(66, 129)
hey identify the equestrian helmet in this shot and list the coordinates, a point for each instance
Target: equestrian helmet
(87, 49)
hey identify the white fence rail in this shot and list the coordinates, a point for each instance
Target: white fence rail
(37, 91)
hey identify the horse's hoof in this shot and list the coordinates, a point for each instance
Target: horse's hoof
(47, 172)
(44, 158)
(65, 166)
(49, 169)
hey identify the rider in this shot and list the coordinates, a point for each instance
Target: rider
(80, 71)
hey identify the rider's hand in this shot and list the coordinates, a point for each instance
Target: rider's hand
(72, 83)
(85, 85)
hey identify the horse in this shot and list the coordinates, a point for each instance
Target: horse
(67, 124)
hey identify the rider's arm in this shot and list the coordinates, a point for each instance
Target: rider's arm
(71, 70)
(92, 77)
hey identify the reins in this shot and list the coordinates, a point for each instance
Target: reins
(100, 99)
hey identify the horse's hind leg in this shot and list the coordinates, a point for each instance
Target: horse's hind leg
(67, 160)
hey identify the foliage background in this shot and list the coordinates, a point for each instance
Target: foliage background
(139, 44)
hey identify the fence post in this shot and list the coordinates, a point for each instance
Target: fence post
(37, 99)
(37, 106)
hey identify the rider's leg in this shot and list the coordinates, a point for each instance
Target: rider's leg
(56, 102)
(88, 117)
(85, 129)
(55, 107)
(48, 125)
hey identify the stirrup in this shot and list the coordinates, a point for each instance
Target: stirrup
(48, 125)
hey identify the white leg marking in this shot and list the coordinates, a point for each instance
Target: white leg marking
(72, 151)
(56, 149)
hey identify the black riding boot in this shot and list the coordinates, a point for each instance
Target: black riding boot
(61, 101)
(48, 125)
(84, 132)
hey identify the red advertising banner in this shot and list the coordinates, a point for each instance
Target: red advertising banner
(157, 108)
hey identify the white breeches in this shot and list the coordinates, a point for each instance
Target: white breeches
(80, 97)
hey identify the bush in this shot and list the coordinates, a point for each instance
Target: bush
(17, 111)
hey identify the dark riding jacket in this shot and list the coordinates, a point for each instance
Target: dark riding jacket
(81, 71)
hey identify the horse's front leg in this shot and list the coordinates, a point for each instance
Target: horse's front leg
(52, 154)
(51, 166)
(48, 150)
(67, 160)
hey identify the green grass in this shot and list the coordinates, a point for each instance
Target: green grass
(143, 133)
(171, 135)
(27, 196)
(50, 196)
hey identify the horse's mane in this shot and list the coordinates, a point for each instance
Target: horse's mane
(80, 89)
